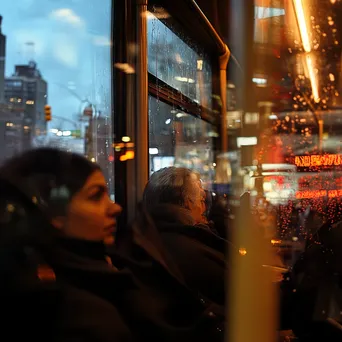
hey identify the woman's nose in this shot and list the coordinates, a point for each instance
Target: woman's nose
(114, 209)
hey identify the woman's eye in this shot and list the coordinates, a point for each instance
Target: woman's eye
(97, 196)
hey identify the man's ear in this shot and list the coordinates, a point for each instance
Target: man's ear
(59, 222)
(187, 203)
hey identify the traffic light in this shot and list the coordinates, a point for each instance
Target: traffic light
(47, 110)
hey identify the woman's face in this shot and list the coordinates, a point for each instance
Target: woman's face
(91, 215)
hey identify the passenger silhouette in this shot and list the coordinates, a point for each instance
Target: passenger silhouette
(67, 223)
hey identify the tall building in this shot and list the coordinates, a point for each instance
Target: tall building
(2, 62)
(14, 133)
(27, 89)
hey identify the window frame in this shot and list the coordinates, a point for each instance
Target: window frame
(194, 29)
(167, 94)
(130, 92)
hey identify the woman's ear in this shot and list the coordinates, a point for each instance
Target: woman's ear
(59, 222)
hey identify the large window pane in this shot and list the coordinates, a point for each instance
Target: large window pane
(180, 139)
(176, 61)
(56, 53)
(291, 117)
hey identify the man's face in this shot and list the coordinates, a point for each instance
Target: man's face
(196, 203)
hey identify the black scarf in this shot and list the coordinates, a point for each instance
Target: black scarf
(84, 264)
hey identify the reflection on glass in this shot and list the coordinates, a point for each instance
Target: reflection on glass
(295, 116)
(268, 18)
(178, 63)
(179, 139)
(56, 54)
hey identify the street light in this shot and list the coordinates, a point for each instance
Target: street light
(84, 112)
(88, 111)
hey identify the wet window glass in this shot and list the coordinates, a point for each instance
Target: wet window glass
(180, 139)
(55, 78)
(176, 61)
(288, 135)
(268, 18)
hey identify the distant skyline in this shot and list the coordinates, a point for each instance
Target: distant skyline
(70, 42)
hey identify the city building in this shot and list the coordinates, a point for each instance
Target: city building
(22, 100)
(27, 89)
(2, 62)
(14, 132)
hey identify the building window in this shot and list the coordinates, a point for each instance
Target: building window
(14, 84)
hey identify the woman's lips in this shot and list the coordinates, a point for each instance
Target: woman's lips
(111, 228)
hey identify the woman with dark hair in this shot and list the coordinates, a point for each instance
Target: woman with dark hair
(29, 295)
(102, 297)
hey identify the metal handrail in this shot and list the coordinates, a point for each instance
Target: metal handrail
(216, 37)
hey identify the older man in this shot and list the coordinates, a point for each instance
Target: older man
(175, 200)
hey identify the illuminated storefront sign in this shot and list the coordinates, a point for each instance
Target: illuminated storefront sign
(318, 160)
(309, 194)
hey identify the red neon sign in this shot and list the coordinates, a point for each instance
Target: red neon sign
(334, 193)
(317, 160)
(309, 194)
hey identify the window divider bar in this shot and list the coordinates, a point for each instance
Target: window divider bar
(142, 133)
(173, 97)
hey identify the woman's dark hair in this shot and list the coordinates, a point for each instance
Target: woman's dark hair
(25, 232)
(52, 175)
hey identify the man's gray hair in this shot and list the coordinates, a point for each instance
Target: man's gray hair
(170, 185)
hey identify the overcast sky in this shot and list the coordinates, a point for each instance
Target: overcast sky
(71, 47)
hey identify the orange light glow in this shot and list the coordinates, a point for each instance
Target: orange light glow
(298, 5)
(313, 78)
(46, 273)
(303, 29)
(127, 156)
(242, 251)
